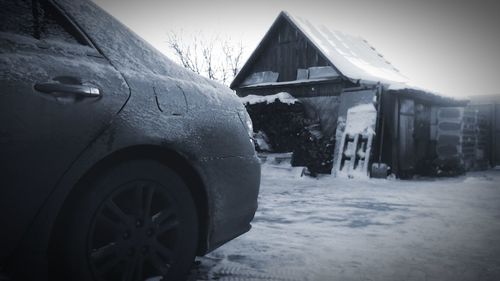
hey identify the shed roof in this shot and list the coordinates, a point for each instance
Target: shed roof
(352, 56)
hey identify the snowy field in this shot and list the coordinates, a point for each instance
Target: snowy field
(341, 229)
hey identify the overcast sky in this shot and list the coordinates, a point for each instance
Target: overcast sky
(452, 47)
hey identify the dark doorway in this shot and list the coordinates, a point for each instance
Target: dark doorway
(406, 137)
(496, 135)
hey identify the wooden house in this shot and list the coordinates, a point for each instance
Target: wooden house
(331, 73)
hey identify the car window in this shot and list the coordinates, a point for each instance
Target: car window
(38, 19)
(16, 17)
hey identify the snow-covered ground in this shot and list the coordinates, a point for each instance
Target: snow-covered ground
(345, 229)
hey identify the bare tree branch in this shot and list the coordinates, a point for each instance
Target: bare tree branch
(233, 54)
(214, 58)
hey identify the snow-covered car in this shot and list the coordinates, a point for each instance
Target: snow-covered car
(115, 163)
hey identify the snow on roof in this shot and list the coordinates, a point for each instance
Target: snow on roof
(351, 55)
(430, 93)
(283, 97)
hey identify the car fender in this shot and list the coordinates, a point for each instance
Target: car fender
(119, 137)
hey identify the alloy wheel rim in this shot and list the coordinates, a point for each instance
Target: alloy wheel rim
(133, 233)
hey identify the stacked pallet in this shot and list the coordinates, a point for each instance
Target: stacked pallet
(482, 137)
(457, 141)
(354, 150)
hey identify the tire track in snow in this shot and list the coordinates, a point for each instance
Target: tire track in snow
(236, 273)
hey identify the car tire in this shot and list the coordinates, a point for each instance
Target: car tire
(135, 221)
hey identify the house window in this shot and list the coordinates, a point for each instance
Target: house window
(261, 77)
(316, 72)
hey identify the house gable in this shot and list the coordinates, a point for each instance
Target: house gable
(285, 54)
(293, 45)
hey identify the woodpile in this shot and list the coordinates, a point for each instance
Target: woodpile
(280, 122)
(314, 151)
(281, 127)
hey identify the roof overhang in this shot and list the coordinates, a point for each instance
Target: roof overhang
(432, 98)
(293, 83)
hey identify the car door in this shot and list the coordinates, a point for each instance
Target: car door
(57, 94)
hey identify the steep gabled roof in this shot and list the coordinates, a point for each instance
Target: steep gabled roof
(352, 56)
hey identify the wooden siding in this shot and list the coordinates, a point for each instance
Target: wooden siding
(286, 52)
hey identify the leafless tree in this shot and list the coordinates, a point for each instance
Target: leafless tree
(233, 54)
(214, 57)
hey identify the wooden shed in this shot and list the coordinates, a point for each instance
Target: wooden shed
(332, 73)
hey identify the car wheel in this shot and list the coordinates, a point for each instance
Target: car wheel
(137, 221)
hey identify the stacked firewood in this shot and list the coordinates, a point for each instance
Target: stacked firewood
(278, 124)
(314, 151)
(283, 127)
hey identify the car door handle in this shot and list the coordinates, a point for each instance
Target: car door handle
(58, 88)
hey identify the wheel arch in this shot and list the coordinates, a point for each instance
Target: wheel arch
(166, 156)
